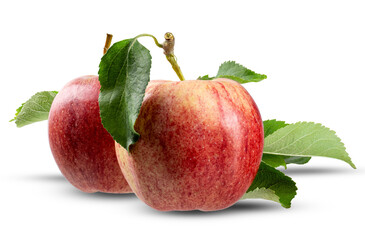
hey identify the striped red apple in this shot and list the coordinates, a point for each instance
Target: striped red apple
(84, 151)
(200, 145)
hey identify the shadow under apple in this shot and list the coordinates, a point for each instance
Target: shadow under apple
(241, 207)
(46, 178)
(72, 191)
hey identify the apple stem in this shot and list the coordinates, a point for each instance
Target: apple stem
(168, 47)
(108, 42)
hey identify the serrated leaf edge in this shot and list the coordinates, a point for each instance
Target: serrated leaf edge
(279, 199)
(136, 135)
(235, 78)
(306, 155)
(30, 100)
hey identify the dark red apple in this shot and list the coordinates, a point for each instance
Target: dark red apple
(84, 151)
(200, 145)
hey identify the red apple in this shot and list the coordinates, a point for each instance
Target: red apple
(200, 145)
(84, 151)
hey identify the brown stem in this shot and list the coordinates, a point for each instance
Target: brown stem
(108, 42)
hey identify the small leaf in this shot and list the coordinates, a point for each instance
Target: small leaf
(281, 160)
(271, 126)
(274, 160)
(296, 160)
(271, 184)
(35, 109)
(124, 73)
(239, 73)
(306, 139)
(205, 77)
(236, 72)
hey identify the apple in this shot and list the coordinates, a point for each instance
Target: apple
(84, 151)
(200, 145)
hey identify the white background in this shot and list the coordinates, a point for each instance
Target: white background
(312, 52)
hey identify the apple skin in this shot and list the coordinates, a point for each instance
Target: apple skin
(200, 145)
(84, 151)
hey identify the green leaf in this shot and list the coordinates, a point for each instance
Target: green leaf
(272, 125)
(205, 77)
(306, 139)
(281, 160)
(296, 160)
(274, 160)
(237, 72)
(271, 184)
(36, 109)
(124, 73)
(18, 110)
